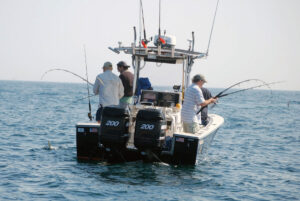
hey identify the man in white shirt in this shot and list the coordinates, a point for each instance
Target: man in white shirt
(192, 99)
(109, 87)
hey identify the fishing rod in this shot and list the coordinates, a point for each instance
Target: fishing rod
(144, 41)
(65, 70)
(87, 86)
(159, 20)
(160, 40)
(219, 95)
(239, 83)
(248, 88)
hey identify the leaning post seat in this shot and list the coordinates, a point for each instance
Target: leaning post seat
(114, 126)
(150, 129)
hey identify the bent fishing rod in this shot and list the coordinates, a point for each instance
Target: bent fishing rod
(241, 82)
(220, 95)
(68, 71)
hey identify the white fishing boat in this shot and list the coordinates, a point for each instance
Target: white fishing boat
(150, 128)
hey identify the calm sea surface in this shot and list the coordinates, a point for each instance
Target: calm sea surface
(254, 156)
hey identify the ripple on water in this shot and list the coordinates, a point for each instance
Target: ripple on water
(254, 156)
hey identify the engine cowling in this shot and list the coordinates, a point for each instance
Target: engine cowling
(114, 126)
(150, 129)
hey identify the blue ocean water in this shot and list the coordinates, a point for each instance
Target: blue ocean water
(254, 156)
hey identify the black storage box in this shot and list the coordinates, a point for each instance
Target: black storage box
(185, 149)
(150, 129)
(114, 126)
(87, 141)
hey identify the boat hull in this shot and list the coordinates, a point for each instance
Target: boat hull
(183, 148)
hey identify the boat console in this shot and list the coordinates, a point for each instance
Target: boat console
(159, 98)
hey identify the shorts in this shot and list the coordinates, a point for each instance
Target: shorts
(125, 101)
(99, 113)
(191, 127)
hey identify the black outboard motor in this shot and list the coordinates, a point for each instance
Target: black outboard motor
(114, 127)
(150, 130)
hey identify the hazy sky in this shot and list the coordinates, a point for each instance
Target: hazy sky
(251, 39)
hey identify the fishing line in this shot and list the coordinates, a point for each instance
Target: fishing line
(296, 102)
(68, 71)
(157, 158)
(148, 152)
(80, 99)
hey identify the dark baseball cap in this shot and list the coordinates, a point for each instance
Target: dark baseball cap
(122, 63)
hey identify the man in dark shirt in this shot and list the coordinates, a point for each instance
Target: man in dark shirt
(207, 95)
(127, 78)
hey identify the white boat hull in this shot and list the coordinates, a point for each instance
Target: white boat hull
(185, 148)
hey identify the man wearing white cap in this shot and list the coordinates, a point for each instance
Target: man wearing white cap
(109, 87)
(192, 99)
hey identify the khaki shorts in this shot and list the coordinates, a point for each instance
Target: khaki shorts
(191, 127)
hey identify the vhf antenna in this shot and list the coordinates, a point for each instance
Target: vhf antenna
(212, 28)
(87, 86)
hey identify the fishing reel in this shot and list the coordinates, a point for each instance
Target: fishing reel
(145, 42)
(90, 116)
(165, 41)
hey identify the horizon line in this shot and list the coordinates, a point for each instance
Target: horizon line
(64, 82)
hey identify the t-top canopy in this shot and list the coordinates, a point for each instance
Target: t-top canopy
(159, 54)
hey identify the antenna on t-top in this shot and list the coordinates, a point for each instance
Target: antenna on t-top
(212, 28)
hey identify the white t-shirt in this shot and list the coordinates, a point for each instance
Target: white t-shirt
(109, 87)
(193, 97)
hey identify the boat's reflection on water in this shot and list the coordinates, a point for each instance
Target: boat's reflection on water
(148, 174)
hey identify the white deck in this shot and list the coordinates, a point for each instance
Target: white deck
(215, 121)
